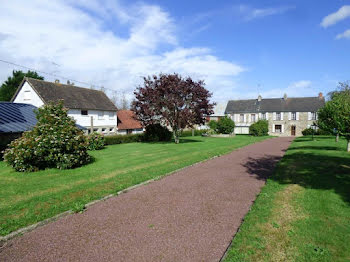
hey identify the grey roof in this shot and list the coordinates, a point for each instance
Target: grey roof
(73, 97)
(293, 104)
(17, 117)
(219, 109)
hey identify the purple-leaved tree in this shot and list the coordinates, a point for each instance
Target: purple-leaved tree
(170, 100)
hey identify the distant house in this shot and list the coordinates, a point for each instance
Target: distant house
(219, 112)
(127, 123)
(286, 116)
(90, 108)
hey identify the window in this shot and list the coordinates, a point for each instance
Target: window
(111, 129)
(252, 117)
(111, 115)
(241, 118)
(104, 130)
(26, 95)
(100, 115)
(313, 115)
(263, 116)
(278, 116)
(278, 128)
(129, 131)
(95, 129)
(84, 112)
(294, 116)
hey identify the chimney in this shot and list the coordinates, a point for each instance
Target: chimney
(285, 96)
(259, 98)
(320, 95)
(57, 81)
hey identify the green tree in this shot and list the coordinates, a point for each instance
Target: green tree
(335, 115)
(225, 125)
(260, 128)
(54, 142)
(213, 125)
(9, 87)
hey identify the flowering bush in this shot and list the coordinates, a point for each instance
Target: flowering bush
(96, 141)
(55, 142)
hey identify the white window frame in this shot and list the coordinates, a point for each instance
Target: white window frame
(252, 117)
(100, 115)
(111, 115)
(280, 118)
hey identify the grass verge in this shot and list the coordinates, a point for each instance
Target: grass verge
(303, 212)
(27, 198)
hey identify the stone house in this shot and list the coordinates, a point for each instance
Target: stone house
(286, 116)
(90, 108)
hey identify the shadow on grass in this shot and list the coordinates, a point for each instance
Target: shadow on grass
(309, 170)
(182, 141)
(316, 148)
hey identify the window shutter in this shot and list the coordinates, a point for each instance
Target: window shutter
(282, 128)
(259, 116)
(274, 116)
(244, 118)
(290, 116)
(267, 116)
(308, 115)
(282, 115)
(297, 115)
(273, 128)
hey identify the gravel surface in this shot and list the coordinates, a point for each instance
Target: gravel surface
(191, 215)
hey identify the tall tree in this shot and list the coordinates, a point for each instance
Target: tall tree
(170, 100)
(335, 115)
(9, 87)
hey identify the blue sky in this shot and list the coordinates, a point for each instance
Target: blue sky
(240, 48)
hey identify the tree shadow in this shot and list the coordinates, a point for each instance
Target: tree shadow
(309, 170)
(316, 148)
(182, 141)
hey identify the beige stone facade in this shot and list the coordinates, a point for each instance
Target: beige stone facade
(286, 126)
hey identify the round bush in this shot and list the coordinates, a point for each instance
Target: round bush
(213, 125)
(225, 125)
(96, 141)
(156, 132)
(260, 128)
(55, 142)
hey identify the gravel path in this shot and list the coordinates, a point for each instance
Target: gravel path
(191, 215)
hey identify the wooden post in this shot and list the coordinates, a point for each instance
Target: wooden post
(92, 124)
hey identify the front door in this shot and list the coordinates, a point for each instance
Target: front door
(293, 130)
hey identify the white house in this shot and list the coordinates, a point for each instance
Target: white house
(90, 108)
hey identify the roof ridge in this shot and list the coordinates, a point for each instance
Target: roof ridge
(61, 84)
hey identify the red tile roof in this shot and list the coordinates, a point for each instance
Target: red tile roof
(127, 120)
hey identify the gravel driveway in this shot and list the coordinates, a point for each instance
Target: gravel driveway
(191, 215)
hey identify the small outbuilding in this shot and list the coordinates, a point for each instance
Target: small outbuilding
(128, 123)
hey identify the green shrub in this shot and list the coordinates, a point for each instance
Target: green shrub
(156, 132)
(225, 125)
(309, 131)
(96, 141)
(55, 142)
(259, 128)
(196, 132)
(213, 125)
(122, 139)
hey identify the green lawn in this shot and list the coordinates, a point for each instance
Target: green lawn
(303, 212)
(26, 198)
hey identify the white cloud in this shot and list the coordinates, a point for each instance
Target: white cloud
(345, 34)
(255, 13)
(333, 18)
(104, 43)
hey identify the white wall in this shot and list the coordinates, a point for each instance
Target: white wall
(27, 95)
(98, 121)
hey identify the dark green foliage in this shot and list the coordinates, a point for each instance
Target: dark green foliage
(259, 128)
(55, 142)
(156, 133)
(122, 139)
(310, 131)
(225, 125)
(9, 87)
(196, 132)
(213, 124)
(96, 141)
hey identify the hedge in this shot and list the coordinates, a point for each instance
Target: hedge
(196, 132)
(122, 139)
